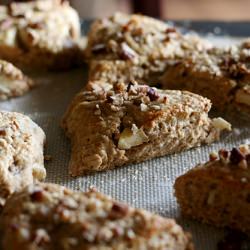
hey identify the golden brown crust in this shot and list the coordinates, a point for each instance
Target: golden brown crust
(220, 74)
(133, 123)
(218, 191)
(135, 47)
(39, 34)
(49, 216)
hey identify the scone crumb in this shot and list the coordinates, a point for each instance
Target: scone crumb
(48, 158)
(213, 156)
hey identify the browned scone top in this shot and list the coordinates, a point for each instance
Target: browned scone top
(12, 81)
(133, 123)
(220, 74)
(128, 37)
(136, 47)
(42, 33)
(218, 192)
(21, 153)
(49, 216)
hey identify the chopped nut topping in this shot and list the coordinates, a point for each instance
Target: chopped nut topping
(129, 86)
(170, 30)
(213, 156)
(143, 107)
(236, 156)
(153, 95)
(41, 237)
(224, 156)
(118, 210)
(99, 48)
(126, 52)
(37, 196)
(2, 132)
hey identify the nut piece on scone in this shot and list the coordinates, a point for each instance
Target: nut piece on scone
(12, 81)
(49, 216)
(133, 123)
(135, 46)
(42, 33)
(218, 192)
(21, 153)
(220, 74)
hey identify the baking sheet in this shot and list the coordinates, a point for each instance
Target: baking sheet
(148, 185)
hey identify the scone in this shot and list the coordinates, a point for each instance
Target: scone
(49, 216)
(218, 192)
(114, 71)
(136, 46)
(21, 153)
(42, 33)
(12, 81)
(220, 74)
(133, 123)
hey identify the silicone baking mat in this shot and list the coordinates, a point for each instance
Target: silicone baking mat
(148, 185)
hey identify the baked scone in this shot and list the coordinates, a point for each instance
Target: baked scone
(41, 33)
(12, 81)
(136, 46)
(220, 74)
(218, 192)
(133, 123)
(21, 153)
(114, 71)
(49, 216)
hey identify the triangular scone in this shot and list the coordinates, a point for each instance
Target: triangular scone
(220, 74)
(41, 33)
(135, 47)
(218, 192)
(49, 216)
(136, 38)
(130, 37)
(12, 81)
(133, 123)
(21, 153)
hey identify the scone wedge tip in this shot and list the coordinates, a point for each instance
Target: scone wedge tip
(220, 74)
(218, 191)
(133, 123)
(49, 216)
(13, 82)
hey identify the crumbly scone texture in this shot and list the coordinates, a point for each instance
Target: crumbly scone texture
(218, 192)
(49, 216)
(21, 153)
(137, 38)
(133, 123)
(220, 74)
(13, 82)
(135, 47)
(114, 71)
(42, 33)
